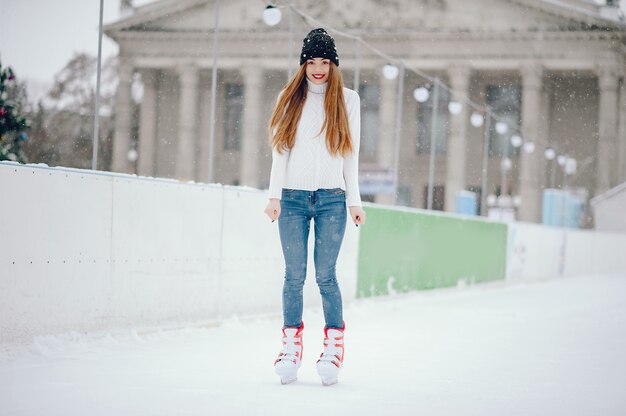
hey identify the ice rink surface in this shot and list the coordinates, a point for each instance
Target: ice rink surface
(551, 347)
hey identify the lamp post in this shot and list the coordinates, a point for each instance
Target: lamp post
(272, 16)
(396, 155)
(357, 68)
(213, 90)
(483, 185)
(96, 116)
(433, 142)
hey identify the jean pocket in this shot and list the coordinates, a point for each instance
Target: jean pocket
(336, 191)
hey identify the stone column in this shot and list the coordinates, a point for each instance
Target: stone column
(185, 152)
(386, 130)
(123, 118)
(147, 124)
(252, 134)
(455, 179)
(607, 125)
(531, 168)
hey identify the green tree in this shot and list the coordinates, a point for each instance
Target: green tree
(13, 123)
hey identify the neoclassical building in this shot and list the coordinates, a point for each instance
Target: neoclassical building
(553, 72)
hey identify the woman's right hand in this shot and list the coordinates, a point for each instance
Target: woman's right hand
(273, 209)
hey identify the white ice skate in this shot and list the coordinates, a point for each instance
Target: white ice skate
(290, 358)
(331, 359)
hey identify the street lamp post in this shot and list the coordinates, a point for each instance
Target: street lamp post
(213, 90)
(433, 141)
(396, 155)
(96, 116)
(483, 185)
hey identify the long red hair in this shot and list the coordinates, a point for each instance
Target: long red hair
(288, 110)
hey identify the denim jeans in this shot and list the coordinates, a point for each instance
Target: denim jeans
(327, 207)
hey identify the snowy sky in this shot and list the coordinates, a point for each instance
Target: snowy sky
(38, 37)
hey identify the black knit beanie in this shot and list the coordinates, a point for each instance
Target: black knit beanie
(319, 44)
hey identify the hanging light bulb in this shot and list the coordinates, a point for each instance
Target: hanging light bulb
(455, 107)
(272, 15)
(502, 127)
(421, 94)
(549, 153)
(529, 147)
(477, 119)
(561, 160)
(516, 140)
(506, 164)
(390, 71)
(132, 155)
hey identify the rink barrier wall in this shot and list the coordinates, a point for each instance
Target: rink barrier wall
(538, 252)
(404, 249)
(85, 250)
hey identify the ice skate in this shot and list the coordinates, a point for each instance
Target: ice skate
(331, 359)
(289, 359)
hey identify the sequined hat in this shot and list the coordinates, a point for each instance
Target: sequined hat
(319, 44)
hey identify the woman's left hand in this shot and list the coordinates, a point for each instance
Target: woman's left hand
(357, 214)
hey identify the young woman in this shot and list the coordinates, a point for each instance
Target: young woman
(315, 137)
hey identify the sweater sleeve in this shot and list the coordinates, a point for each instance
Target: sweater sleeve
(351, 161)
(278, 173)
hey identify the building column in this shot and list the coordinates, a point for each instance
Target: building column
(386, 130)
(531, 168)
(251, 135)
(455, 165)
(185, 152)
(123, 118)
(607, 125)
(147, 124)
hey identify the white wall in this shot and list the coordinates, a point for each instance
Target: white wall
(610, 209)
(535, 251)
(83, 250)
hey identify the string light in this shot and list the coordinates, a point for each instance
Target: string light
(421, 94)
(272, 15)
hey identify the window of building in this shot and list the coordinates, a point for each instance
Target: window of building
(424, 123)
(233, 116)
(505, 102)
(439, 192)
(369, 119)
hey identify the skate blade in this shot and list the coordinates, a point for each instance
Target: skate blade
(329, 382)
(328, 373)
(288, 380)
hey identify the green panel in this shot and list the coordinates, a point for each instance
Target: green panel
(403, 251)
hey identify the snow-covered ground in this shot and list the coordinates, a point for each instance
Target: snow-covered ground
(554, 347)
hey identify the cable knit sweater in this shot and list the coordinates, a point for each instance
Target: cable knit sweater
(309, 165)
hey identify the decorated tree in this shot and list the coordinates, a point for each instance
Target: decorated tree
(13, 123)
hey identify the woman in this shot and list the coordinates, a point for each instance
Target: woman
(315, 137)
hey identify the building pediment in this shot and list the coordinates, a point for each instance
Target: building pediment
(386, 16)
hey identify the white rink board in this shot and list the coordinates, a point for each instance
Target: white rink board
(96, 250)
(533, 251)
(165, 250)
(252, 266)
(597, 252)
(54, 251)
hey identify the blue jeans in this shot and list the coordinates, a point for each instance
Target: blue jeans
(327, 207)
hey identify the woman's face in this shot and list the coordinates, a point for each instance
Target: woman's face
(317, 70)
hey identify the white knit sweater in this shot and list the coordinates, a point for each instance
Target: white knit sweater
(309, 165)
